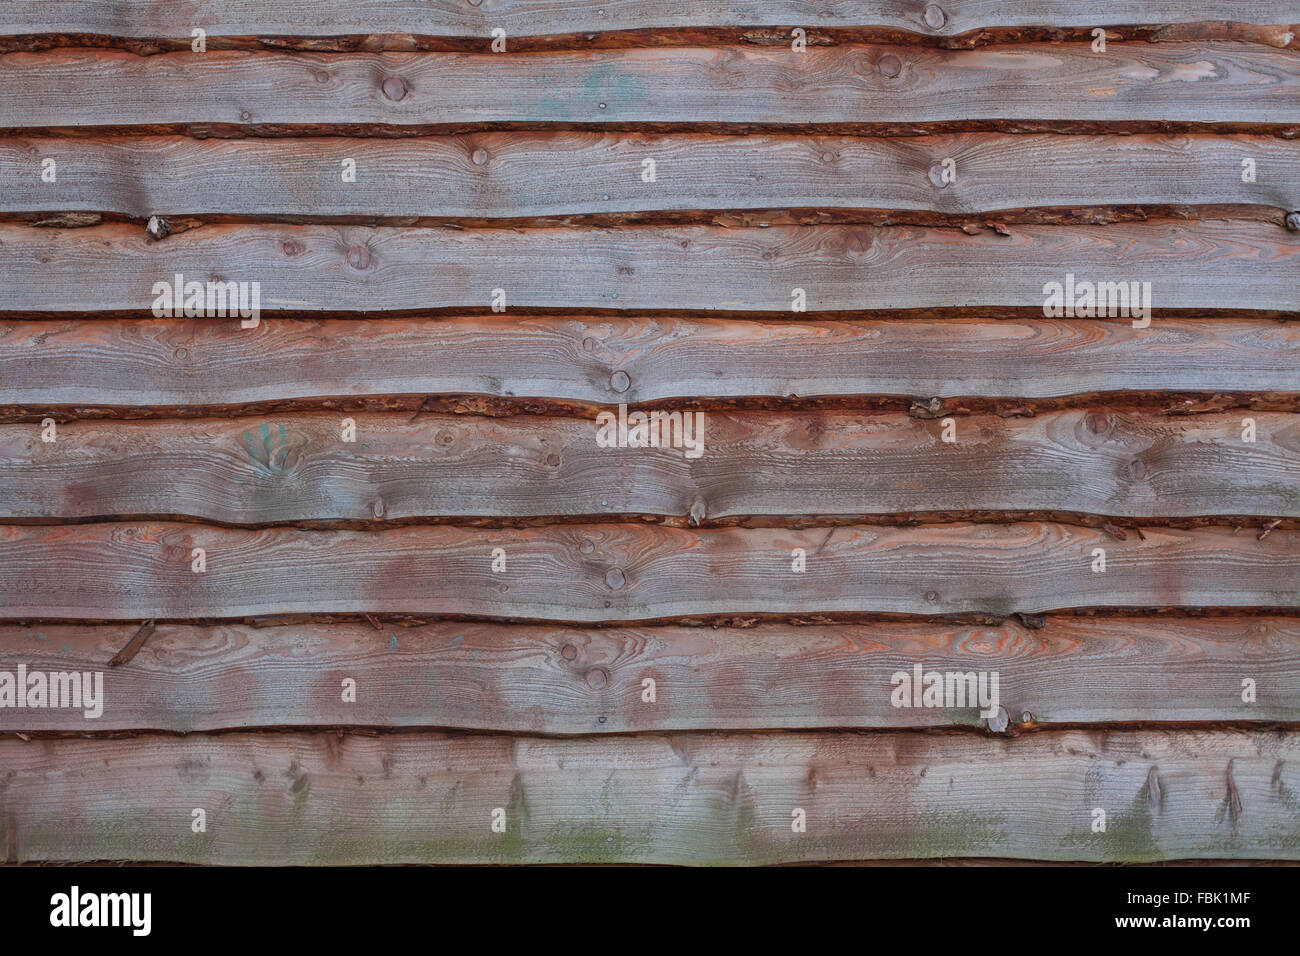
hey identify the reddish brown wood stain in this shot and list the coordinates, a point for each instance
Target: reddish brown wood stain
(678, 652)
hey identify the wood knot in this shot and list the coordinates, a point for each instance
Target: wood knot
(889, 65)
(620, 381)
(394, 87)
(359, 257)
(934, 16)
(597, 678)
(291, 247)
(614, 578)
(1293, 221)
(1097, 422)
(479, 156)
(569, 652)
(857, 242)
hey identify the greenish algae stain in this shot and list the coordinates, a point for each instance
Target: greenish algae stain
(1129, 837)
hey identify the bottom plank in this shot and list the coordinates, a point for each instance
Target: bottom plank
(295, 798)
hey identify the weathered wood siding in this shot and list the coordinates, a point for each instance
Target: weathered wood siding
(837, 255)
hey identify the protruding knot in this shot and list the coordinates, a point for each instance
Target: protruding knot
(999, 721)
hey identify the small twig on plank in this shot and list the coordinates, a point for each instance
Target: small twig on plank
(133, 645)
(1267, 528)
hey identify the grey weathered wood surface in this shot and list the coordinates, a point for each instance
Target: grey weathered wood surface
(521, 174)
(296, 467)
(627, 572)
(546, 679)
(746, 86)
(157, 18)
(700, 798)
(140, 363)
(1207, 265)
(710, 772)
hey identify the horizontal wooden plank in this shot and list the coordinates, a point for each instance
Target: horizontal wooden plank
(452, 18)
(538, 679)
(139, 364)
(856, 86)
(522, 174)
(627, 572)
(320, 268)
(297, 467)
(714, 798)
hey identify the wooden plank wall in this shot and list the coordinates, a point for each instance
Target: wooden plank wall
(362, 583)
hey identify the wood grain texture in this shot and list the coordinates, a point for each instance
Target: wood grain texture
(625, 572)
(297, 468)
(140, 363)
(305, 269)
(1180, 83)
(530, 174)
(709, 798)
(156, 18)
(537, 679)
